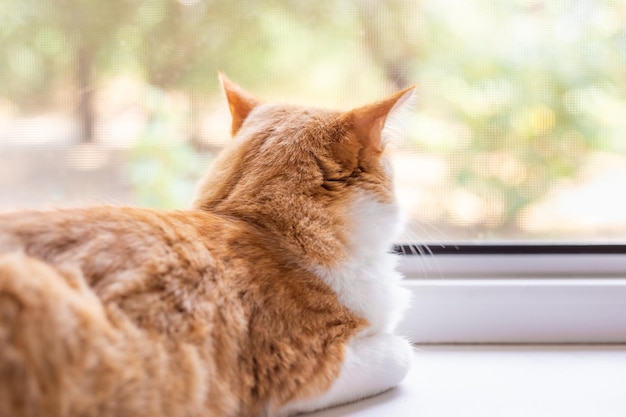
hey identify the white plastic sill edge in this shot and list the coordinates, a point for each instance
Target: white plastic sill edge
(521, 299)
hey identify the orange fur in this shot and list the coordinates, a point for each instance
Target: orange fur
(211, 311)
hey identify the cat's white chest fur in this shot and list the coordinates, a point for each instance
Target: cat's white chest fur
(367, 282)
(370, 288)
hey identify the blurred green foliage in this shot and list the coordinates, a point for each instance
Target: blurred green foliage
(515, 93)
(163, 166)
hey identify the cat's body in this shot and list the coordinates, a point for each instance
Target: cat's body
(274, 294)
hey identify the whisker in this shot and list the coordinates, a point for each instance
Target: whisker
(424, 249)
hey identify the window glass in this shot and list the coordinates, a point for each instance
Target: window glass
(519, 131)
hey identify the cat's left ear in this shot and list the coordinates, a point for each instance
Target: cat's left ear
(240, 102)
(369, 121)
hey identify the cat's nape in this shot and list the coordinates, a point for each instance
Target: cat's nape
(274, 294)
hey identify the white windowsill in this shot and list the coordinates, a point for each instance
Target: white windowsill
(516, 299)
(516, 311)
(504, 381)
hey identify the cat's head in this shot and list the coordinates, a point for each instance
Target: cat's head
(319, 179)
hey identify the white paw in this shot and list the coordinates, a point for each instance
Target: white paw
(372, 364)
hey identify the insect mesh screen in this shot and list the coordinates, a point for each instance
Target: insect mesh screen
(518, 132)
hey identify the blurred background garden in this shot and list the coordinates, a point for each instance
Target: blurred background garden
(519, 132)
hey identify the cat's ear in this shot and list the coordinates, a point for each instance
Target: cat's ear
(368, 122)
(240, 102)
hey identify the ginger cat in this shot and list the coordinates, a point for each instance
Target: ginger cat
(274, 294)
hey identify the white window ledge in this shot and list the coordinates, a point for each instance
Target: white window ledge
(516, 298)
(516, 311)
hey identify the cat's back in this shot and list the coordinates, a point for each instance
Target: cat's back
(175, 260)
(132, 258)
(105, 239)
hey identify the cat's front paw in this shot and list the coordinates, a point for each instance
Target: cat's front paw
(391, 357)
(372, 364)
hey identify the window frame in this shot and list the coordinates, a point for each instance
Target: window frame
(515, 292)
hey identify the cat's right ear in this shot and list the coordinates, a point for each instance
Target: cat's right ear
(369, 121)
(240, 102)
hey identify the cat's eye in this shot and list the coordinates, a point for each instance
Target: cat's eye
(334, 183)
